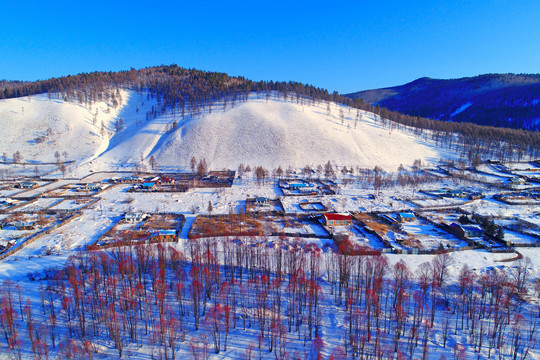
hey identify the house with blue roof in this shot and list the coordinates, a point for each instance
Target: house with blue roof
(405, 216)
(149, 186)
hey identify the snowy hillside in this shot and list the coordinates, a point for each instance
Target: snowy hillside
(37, 127)
(276, 133)
(257, 132)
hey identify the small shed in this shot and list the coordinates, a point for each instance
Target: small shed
(405, 216)
(333, 219)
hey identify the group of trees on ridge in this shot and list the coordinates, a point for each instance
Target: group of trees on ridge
(179, 89)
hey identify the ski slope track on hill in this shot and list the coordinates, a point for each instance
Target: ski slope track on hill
(263, 132)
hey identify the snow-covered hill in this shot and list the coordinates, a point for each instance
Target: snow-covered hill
(38, 127)
(264, 132)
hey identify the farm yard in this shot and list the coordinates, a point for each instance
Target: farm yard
(426, 236)
(140, 228)
(255, 225)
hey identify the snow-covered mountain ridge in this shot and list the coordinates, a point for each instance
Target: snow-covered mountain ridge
(268, 132)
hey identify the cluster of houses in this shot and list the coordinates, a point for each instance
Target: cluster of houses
(27, 185)
(18, 225)
(463, 231)
(148, 184)
(125, 180)
(451, 193)
(8, 202)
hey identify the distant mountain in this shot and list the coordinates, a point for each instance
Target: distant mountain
(502, 100)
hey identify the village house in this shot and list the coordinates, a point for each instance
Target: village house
(149, 186)
(93, 187)
(130, 179)
(405, 216)
(467, 230)
(8, 202)
(457, 194)
(473, 230)
(262, 201)
(164, 236)
(333, 219)
(299, 186)
(28, 185)
(516, 181)
(166, 180)
(135, 217)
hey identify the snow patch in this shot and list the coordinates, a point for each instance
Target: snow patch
(461, 109)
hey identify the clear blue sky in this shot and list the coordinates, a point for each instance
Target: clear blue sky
(338, 45)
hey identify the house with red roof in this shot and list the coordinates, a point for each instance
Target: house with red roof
(166, 180)
(333, 219)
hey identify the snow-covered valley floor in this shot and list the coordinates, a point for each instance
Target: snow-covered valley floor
(32, 267)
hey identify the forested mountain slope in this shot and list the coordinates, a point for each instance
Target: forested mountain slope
(502, 100)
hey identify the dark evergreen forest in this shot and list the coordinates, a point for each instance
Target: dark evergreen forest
(501, 100)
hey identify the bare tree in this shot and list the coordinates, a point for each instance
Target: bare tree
(153, 162)
(328, 169)
(17, 157)
(202, 168)
(521, 274)
(63, 170)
